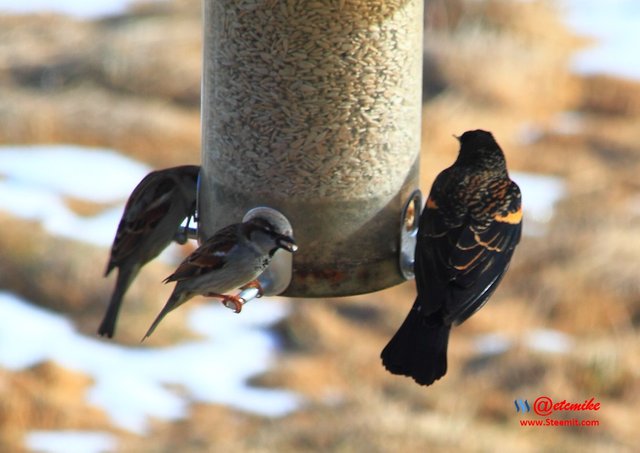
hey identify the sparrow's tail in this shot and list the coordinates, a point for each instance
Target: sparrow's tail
(126, 275)
(419, 348)
(177, 298)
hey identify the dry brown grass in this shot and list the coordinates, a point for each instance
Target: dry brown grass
(67, 277)
(581, 278)
(481, 51)
(78, 86)
(610, 95)
(151, 130)
(160, 57)
(45, 397)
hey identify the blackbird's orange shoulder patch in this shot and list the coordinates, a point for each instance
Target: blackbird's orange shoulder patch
(431, 204)
(513, 218)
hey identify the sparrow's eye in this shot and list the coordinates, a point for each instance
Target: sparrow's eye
(267, 229)
(263, 224)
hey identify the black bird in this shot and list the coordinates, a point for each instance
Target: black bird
(468, 231)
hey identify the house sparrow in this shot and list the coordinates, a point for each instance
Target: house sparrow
(234, 256)
(467, 234)
(153, 213)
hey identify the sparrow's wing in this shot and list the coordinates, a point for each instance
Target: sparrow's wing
(210, 256)
(186, 183)
(147, 205)
(481, 255)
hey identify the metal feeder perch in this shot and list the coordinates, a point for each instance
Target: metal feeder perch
(313, 108)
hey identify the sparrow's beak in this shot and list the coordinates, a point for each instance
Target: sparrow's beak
(287, 243)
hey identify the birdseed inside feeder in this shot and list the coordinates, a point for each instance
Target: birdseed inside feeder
(313, 108)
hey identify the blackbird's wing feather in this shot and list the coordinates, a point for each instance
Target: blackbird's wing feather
(481, 257)
(437, 236)
(477, 265)
(459, 263)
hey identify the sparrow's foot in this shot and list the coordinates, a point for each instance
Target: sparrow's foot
(254, 284)
(232, 302)
(181, 236)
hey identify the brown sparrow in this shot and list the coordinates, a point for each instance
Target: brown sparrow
(234, 256)
(153, 213)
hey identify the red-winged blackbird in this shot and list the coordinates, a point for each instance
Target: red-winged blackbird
(467, 234)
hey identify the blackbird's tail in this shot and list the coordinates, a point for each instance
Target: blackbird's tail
(419, 348)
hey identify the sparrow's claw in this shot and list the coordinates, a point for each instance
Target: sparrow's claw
(181, 236)
(254, 284)
(232, 302)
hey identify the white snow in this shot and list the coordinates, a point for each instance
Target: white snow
(133, 383)
(94, 174)
(547, 340)
(82, 9)
(70, 441)
(613, 24)
(34, 181)
(492, 344)
(540, 193)
(540, 340)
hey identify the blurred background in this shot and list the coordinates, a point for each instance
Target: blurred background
(93, 95)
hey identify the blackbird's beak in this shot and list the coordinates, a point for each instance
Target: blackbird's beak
(457, 137)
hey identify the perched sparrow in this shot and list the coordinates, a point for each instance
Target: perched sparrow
(466, 237)
(234, 256)
(152, 216)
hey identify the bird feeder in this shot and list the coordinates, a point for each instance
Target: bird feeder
(313, 108)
